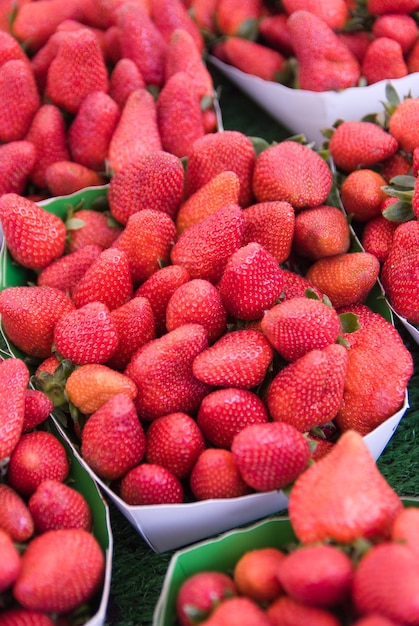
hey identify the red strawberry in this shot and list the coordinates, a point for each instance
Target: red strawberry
(153, 181)
(296, 285)
(23, 617)
(175, 441)
(37, 456)
(377, 237)
(65, 177)
(113, 440)
(64, 273)
(61, 569)
(251, 282)
(403, 124)
(149, 483)
(334, 12)
(240, 358)
(362, 194)
(17, 159)
(357, 42)
(271, 224)
(238, 18)
(398, 26)
(225, 412)
(270, 455)
(318, 501)
(19, 99)
(56, 505)
(203, 12)
(29, 315)
(38, 407)
(252, 57)
(200, 593)
(42, 58)
(171, 15)
(197, 301)
(10, 49)
(239, 611)
(383, 60)
(89, 227)
(321, 231)
(134, 322)
(285, 611)
(162, 371)
(273, 30)
(10, 563)
(405, 528)
(97, 338)
(216, 475)
(14, 379)
(124, 78)
(381, 7)
(205, 247)
(15, 517)
(183, 55)
(291, 172)
(256, 574)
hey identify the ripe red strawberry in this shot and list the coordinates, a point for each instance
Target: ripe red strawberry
(296, 285)
(19, 99)
(324, 61)
(134, 322)
(383, 60)
(403, 124)
(270, 455)
(183, 55)
(240, 358)
(56, 505)
(251, 282)
(356, 144)
(204, 248)
(23, 617)
(377, 237)
(14, 379)
(398, 26)
(216, 475)
(162, 371)
(113, 440)
(321, 231)
(97, 338)
(238, 18)
(90, 132)
(293, 172)
(137, 131)
(66, 177)
(271, 224)
(357, 42)
(318, 501)
(405, 528)
(15, 517)
(17, 159)
(252, 57)
(319, 575)
(386, 581)
(77, 69)
(153, 181)
(89, 227)
(61, 569)
(158, 289)
(175, 441)
(147, 239)
(225, 412)
(149, 483)
(334, 13)
(42, 58)
(309, 391)
(37, 456)
(200, 593)
(197, 301)
(10, 562)
(106, 280)
(29, 315)
(65, 272)
(412, 59)
(171, 15)
(381, 7)
(300, 324)
(124, 78)
(273, 30)
(285, 611)
(362, 194)
(38, 407)
(239, 611)
(10, 49)
(397, 165)
(217, 152)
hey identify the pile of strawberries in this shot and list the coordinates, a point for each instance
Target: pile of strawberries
(354, 559)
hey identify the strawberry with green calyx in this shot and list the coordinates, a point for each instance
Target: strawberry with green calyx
(15, 517)
(14, 379)
(90, 227)
(55, 505)
(236, 18)
(216, 475)
(150, 483)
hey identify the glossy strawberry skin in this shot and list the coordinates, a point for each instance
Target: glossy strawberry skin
(65, 272)
(15, 517)
(135, 327)
(17, 159)
(19, 99)
(271, 224)
(56, 505)
(90, 227)
(38, 407)
(201, 590)
(216, 475)
(150, 483)
(10, 563)
(14, 379)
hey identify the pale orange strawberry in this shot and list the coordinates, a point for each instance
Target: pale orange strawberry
(321, 231)
(150, 483)
(124, 78)
(55, 504)
(238, 18)
(183, 55)
(216, 475)
(135, 326)
(271, 224)
(65, 272)
(362, 194)
(334, 12)
(19, 99)
(17, 159)
(15, 517)
(255, 574)
(383, 60)
(66, 177)
(201, 592)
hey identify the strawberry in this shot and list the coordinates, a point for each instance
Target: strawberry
(377, 237)
(153, 181)
(17, 159)
(405, 528)
(204, 248)
(357, 42)
(90, 132)
(10, 563)
(383, 60)
(381, 7)
(14, 379)
(19, 99)
(251, 282)
(385, 582)
(334, 12)
(397, 165)
(106, 280)
(270, 455)
(149, 483)
(238, 611)
(285, 611)
(29, 315)
(362, 194)
(89, 227)
(203, 13)
(10, 49)
(321, 231)
(324, 61)
(65, 272)
(252, 57)
(41, 59)
(23, 617)
(56, 505)
(113, 440)
(217, 152)
(403, 124)
(137, 131)
(61, 569)
(77, 70)
(66, 177)
(158, 289)
(183, 55)
(38, 407)
(225, 412)
(271, 224)
(398, 26)
(171, 15)
(255, 574)
(274, 32)
(345, 278)
(200, 593)
(174, 441)
(37, 456)
(215, 475)
(238, 18)
(179, 115)
(318, 575)
(295, 285)
(89, 386)
(291, 172)
(240, 358)
(97, 338)
(356, 144)
(370, 396)
(317, 504)
(147, 239)
(218, 192)
(15, 518)
(134, 322)
(162, 372)
(124, 78)
(412, 60)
